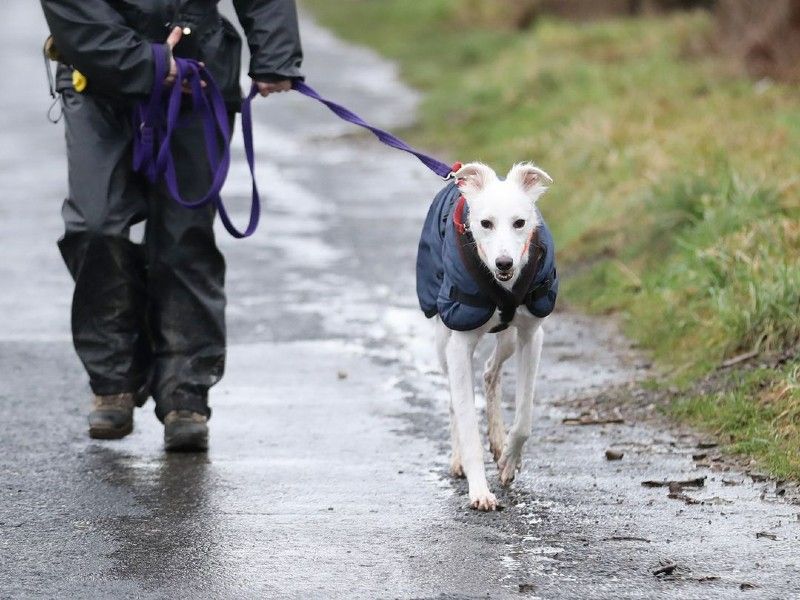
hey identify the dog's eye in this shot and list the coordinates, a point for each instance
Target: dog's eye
(487, 224)
(519, 223)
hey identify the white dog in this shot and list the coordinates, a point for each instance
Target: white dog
(507, 285)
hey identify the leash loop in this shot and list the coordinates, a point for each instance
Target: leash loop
(157, 119)
(49, 54)
(55, 103)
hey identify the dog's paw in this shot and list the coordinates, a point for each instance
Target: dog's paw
(497, 441)
(508, 465)
(484, 501)
(456, 468)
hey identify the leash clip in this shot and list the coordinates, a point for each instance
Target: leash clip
(453, 170)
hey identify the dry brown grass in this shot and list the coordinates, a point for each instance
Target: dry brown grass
(764, 36)
(502, 14)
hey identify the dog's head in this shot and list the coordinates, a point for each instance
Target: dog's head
(502, 214)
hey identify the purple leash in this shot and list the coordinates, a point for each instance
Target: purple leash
(438, 167)
(156, 120)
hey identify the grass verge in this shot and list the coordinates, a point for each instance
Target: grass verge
(676, 203)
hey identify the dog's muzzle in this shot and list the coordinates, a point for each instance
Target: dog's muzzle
(505, 268)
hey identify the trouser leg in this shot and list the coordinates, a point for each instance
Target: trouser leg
(105, 199)
(186, 275)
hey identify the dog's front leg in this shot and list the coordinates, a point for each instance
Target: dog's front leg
(442, 337)
(529, 351)
(459, 351)
(504, 348)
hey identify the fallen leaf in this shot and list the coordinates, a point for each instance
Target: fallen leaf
(704, 445)
(683, 497)
(665, 568)
(747, 586)
(587, 420)
(715, 500)
(697, 482)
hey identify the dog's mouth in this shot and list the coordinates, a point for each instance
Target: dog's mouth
(504, 275)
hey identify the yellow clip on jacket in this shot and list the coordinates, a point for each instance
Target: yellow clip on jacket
(78, 81)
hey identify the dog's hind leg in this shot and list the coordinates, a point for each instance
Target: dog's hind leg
(458, 352)
(529, 351)
(442, 336)
(456, 468)
(503, 349)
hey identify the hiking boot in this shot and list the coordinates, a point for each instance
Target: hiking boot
(185, 431)
(112, 416)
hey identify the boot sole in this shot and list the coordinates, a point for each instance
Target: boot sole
(110, 433)
(193, 439)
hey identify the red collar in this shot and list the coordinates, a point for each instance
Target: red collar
(458, 213)
(458, 216)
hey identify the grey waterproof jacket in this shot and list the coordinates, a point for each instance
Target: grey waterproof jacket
(109, 41)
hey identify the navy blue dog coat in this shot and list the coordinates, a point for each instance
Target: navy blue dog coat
(454, 283)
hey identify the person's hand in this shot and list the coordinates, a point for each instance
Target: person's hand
(174, 37)
(274, 87)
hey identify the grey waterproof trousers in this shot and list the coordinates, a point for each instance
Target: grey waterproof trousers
(151, 315)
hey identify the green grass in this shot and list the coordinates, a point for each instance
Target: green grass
(758, 416)
(676, 202)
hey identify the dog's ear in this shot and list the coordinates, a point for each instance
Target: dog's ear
(530, 178)
(473, 177)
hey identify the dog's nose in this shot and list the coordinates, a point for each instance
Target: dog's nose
(504, 263)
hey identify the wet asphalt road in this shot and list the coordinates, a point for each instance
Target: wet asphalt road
(327, 476)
